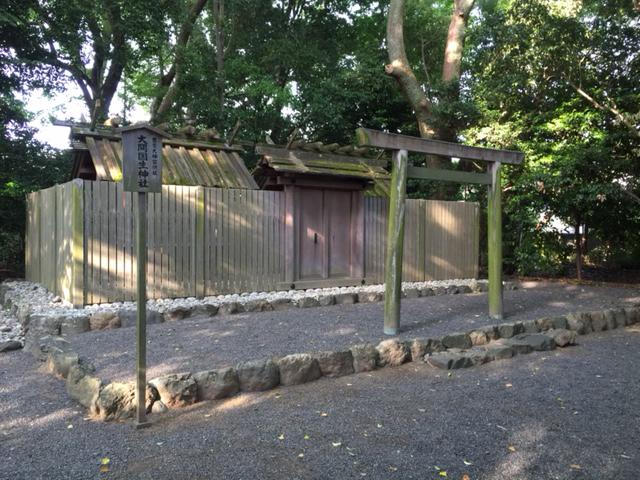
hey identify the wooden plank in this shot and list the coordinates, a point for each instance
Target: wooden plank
(393, 141)
(289, 234)
(395, 240)
(114, 281)
(456, 176)
(78, 245)
(104, 287)
(108, 157)
(102, 173)
(199, 241)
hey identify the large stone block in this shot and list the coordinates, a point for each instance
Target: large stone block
(345, 298)
(307, 302)
(326, 300)
(535, 341)
(280, 303)
(507, 330)
(205, 310)
(457, 340)
(411, 292)
(59, 363)
(579, 323)
(128, 317)
(365, 357)
(40, 345)
(104, 321)
(544, 324)
(620, 317)
(560, 322)
(255, 305)
(419, 347)
(216, 384)
(392, 353)
(499, 351)
(258, 375)
(562, 337)
(83, 386)
(335, 364)
(177, 313)
(176, 390)
(298, 368)
(600, 323)
(449, 360)
(530, 326)
(117, 401)
(370, 297)
(75, 324)
(228, 308)
(627, 316)
(9, 345)
(46, 324)
(478, 337)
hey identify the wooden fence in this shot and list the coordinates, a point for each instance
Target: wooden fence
(210, 241)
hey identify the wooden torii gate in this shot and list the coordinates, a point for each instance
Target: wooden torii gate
(401, 145)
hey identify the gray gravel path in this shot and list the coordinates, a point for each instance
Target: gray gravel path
(577, 406)
(208, 343)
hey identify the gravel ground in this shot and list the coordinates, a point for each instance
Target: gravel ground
(208, 343)
(566, 414)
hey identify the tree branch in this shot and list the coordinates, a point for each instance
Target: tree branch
(620, 116)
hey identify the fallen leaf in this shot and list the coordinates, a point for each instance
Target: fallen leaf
(501, 427)
(159, 443)
(306, 437)
(278, 395)
(442, 473)
(465, 477)
(300, 455)
(336, 444)
(508, 385)
(207, 415)
(281, 436)
(324, 414)
(625, 456)
(422, 410)
(349, 384)
(511, 448)
(575, 466)
(379, 425)
(69, 426)
(467, 463)
(104, 468)
(392, 468)
(105, 461)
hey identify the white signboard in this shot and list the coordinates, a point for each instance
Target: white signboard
(141, 159)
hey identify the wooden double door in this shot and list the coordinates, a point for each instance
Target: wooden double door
(329, 234)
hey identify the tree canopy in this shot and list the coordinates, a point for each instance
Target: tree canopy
(557, 79)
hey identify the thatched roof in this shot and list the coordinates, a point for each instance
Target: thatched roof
(317, 159)
(98, 155)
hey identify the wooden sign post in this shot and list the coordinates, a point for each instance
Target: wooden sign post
(141, 173)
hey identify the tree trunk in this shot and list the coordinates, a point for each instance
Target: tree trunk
(168, 83)
(399, 68)
(218, 22)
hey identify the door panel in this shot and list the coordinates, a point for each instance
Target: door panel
(339, 212)
(311, 237)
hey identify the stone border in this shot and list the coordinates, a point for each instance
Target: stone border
(37, 309)
(116, 400)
